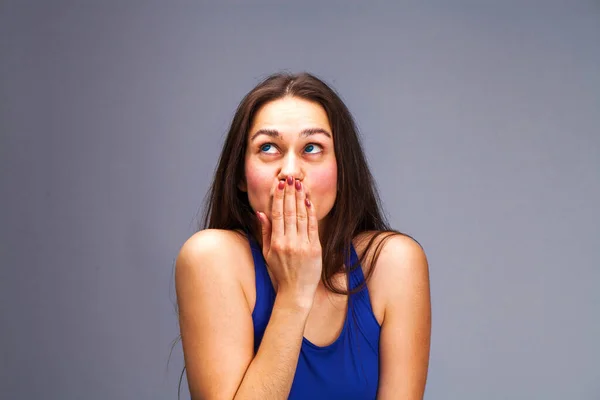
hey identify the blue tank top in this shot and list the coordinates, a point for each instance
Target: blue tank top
(346, 369)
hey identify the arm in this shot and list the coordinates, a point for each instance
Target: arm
(406, 328)
(217, 331)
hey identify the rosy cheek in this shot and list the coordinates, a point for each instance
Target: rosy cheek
(324, 180)
(255, 176)
(258, 186)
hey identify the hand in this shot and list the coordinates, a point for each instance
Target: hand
(291, 244)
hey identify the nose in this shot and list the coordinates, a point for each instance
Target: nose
(291, 166)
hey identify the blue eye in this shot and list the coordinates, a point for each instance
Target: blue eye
(311, 147)
(269, 148)
(266, 147)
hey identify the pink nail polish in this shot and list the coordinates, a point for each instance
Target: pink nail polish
(307, 201)
(281, 185)
(290, 180)
(298, 185)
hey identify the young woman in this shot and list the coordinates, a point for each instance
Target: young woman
(297, 288)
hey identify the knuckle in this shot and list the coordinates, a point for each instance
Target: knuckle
(290, 213)
(277, 246)
(276, 215)
(287, 248)
(302, 217)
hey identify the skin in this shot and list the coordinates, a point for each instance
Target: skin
(276, 150)
(216, 290)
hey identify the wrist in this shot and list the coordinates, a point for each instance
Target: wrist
(294, 302)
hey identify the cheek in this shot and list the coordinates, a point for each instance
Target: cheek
(323, 183)
(323, 189)
(258, 185)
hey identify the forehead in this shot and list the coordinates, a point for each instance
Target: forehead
(290, 115)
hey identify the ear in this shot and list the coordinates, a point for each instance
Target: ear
(242, 186)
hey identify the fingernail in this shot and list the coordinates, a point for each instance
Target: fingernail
(298, 185)
(281, 185)
(307, 201)
(290, 180)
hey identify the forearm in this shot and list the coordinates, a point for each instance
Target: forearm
(271, 373)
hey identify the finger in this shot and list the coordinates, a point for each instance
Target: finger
(265, 229)
(313, 223)
(277, 210)
(289, 208)
(301, 212)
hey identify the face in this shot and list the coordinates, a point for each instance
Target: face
(291, 136)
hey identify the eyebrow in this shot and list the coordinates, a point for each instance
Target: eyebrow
(304, 133)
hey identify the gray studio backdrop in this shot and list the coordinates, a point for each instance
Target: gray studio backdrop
(480, 121)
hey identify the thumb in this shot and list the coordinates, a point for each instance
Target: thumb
(265, 229)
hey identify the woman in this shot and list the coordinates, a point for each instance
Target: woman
(298, 288)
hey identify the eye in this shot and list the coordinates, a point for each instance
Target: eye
(267, 148)
(313, 148)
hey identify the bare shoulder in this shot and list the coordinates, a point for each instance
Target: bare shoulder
(214, 256)
(396, 263)
(209, 245)
(401, 280)
(402, 253)
(386, 249)
(215, 321)
(212, 241)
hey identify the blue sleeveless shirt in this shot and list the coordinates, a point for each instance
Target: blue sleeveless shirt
(346, 369)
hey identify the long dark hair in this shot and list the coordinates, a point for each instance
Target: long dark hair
(357, 207)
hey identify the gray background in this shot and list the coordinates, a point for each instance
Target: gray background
(480, 121)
